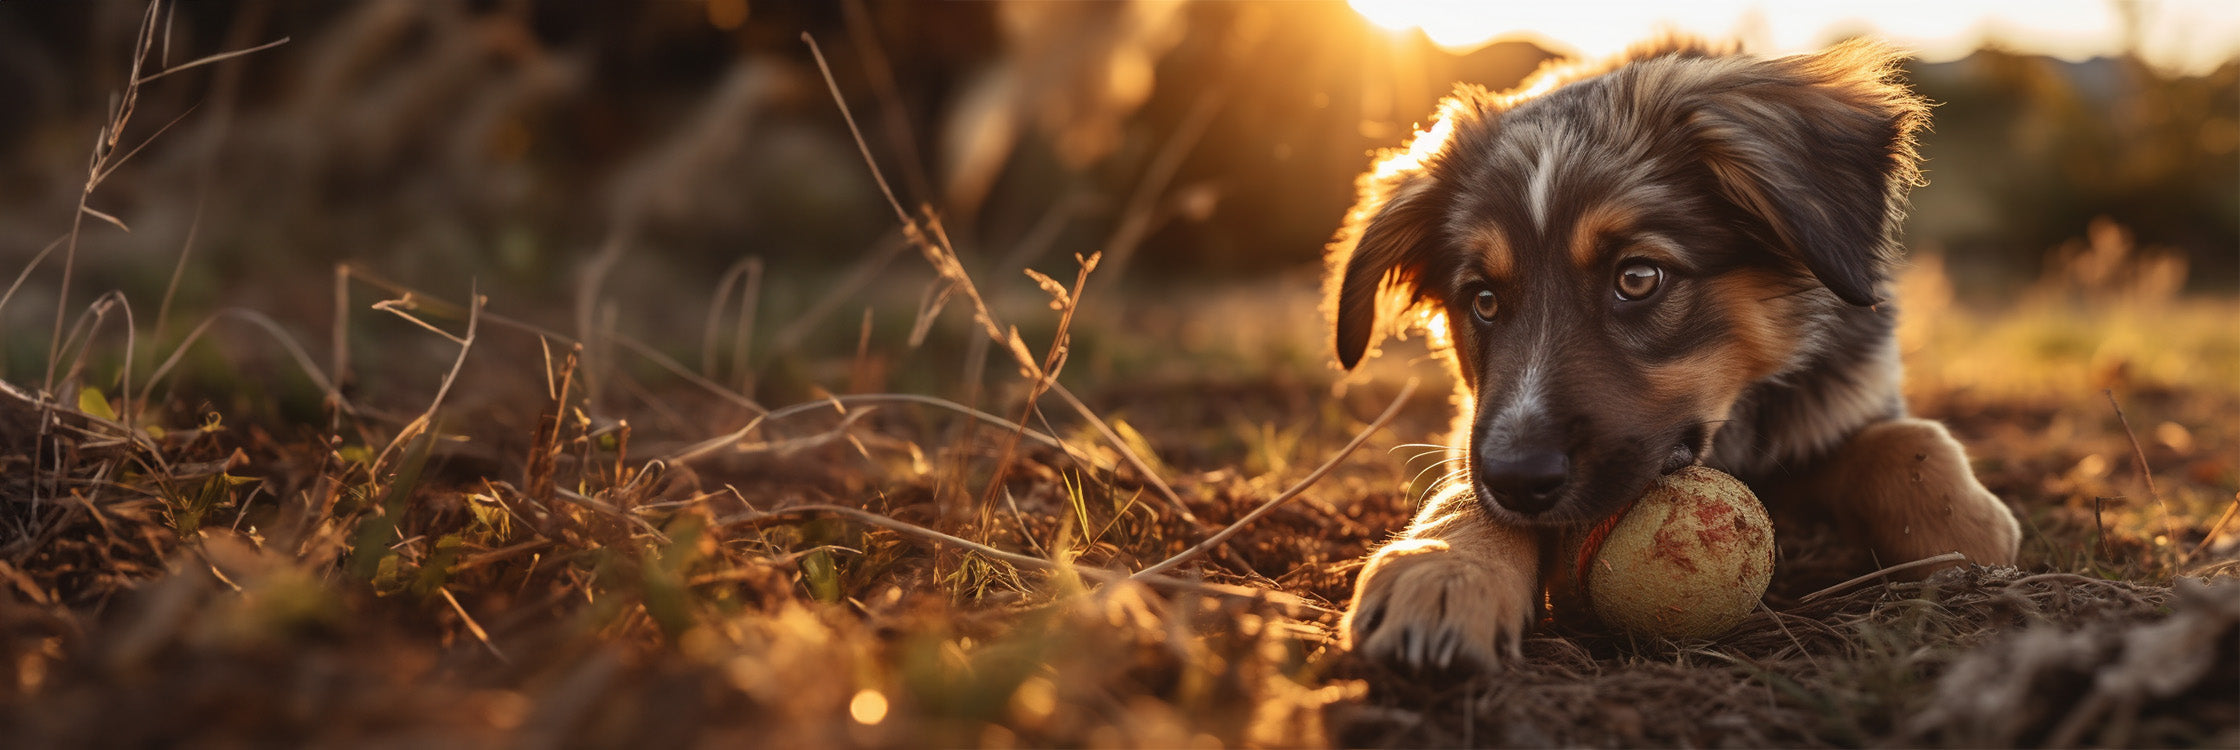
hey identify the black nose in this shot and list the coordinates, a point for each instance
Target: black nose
(1525, 482)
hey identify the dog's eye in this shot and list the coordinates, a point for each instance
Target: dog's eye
(1638, 280)
(1484, 304)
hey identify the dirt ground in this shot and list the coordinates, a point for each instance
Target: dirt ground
(1003, 510)
(543, 576)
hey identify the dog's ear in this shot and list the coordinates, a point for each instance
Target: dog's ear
(1388, 239)
(1819, 147)
(1380, 253)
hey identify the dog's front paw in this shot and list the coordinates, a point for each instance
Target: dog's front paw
(1423, 606)
(1908, 486)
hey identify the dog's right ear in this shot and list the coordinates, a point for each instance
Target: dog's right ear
(1818, 148)
(1379, 253)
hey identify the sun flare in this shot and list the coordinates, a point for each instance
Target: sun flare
(2180, 35)
(1433, 323)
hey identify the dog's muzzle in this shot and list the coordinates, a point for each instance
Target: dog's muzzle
(1524, 482)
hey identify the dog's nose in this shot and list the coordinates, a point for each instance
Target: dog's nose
(1525, 482)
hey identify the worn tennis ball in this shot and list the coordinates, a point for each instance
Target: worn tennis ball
(1688, 560)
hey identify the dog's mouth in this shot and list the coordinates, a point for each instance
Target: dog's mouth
(1695, 441)
(1589, 495)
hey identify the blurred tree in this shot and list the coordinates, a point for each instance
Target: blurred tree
(2029, 150)
(507, 139)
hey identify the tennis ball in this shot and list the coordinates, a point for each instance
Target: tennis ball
(1689, 559)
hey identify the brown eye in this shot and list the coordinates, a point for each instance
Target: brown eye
(1484, 305)
(1638, 280)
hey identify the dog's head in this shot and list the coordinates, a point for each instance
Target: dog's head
(1619, 254)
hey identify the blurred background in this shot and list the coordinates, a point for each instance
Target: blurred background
(676, 152)
(671, 183)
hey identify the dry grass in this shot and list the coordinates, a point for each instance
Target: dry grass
(224, 584)
(631, 551)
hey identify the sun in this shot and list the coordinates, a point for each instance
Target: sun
(2189, 36)
(1569, 28)
(1449, 24)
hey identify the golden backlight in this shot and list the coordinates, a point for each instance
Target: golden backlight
(2181, 36)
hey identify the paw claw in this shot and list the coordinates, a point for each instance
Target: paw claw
(1440, 611)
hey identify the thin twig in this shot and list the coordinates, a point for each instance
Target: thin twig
(472, 626)
(608, 508)
(106, 217)
(501, 554)
(1126, 453)
(2069, 578)
(2139, 455)
(217, 58)
(1232, 530)
(742, 330)
(794, 513)
(466, 345)
(1136, 218)
(1784, 627)
(2211, 536)
(1053, 361)
(150, 456)
(28, 268)
(110, 166)
(750, 267)
(80, 341)
(933, 243)
(797, 513)
(2100, 528)
(877, 176)
(437, 305)
(404, 308)
(893, 110)
(847, 290)
(837, 403)
(270, 326)
(125, 410)
(104, 145)
(225, 93)
(186, 250)
(339, 345)
(1894, 569)
(678, 369)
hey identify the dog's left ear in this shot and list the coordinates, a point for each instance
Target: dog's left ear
(1821, 148)
(1382, 252)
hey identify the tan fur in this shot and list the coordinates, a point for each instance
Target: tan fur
(1457, 588)
(1493, 250)
(1709, 382)
(1808, 160)
(1755, 311)
(1905, 487)
(1711, 377)
(1603, 219)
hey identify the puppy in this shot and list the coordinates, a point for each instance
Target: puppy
(1679, 257)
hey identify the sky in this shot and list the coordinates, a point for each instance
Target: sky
(2189, 37)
